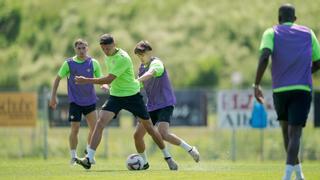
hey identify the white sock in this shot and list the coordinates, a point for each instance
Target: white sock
(298, 171)
(91, 154)
(165, 153)
(185, 146)
(288, 172)
(88, 146)
(73, 153)
(144, 157)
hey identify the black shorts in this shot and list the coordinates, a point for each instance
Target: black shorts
(76, 111)
(293, 106)
(133, 104)
(161, 115)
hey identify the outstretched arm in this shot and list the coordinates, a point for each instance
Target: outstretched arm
(263, 63)
(147, 75)
(103, 80)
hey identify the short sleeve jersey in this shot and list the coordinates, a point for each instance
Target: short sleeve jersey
(64, 70)
(120, 65)
(157, 66)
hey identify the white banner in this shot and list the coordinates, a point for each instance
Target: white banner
(235, 108)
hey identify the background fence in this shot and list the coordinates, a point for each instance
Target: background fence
(45, 140)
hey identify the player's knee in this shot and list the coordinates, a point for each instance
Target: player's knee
(100, 125)
(91, 126)
(150, 131)
(163, 132)
(137, 135)
(74, 133)
(148, 128)
(164, 135)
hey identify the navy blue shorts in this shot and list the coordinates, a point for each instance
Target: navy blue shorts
(293, 106)
(76, 111)
(133, 104)
(162, 115)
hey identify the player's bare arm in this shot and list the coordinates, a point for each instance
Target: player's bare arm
(53, 101)
(103, 80)
(147, 75)
(263, 63)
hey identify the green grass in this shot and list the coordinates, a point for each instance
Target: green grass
(114, 168)
(213, 143)
(21, 152)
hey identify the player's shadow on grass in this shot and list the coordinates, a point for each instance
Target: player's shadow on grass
(124, 170)
(107, 170)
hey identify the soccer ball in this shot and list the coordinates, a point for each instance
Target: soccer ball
(135, 162)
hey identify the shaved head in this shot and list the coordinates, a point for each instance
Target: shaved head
(287, 13)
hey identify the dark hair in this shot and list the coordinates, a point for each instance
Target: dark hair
(287, 13)
(142, 47)
(106, 39)
(80, 41)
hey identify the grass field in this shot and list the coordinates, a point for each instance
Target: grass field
(115, 169)
(22, 149)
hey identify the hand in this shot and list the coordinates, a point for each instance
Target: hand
(258, 94)
(53, 102)
(105, 87)
(80, 80)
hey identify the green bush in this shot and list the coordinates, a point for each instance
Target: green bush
(10, 22)
(185, 34)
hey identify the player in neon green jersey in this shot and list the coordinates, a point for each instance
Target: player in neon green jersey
(124, 94)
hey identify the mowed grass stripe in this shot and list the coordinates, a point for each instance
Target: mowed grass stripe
(115, 169)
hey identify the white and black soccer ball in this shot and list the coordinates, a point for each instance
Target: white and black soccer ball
(135, 162)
